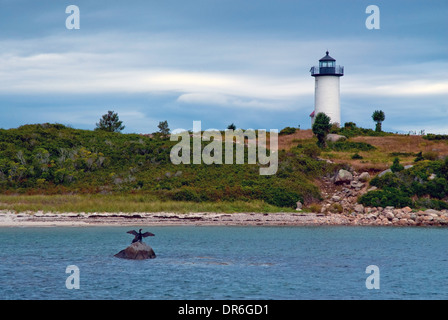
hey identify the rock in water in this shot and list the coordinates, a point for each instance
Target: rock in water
(137, 251)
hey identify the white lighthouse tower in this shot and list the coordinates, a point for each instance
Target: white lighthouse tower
(326, 91)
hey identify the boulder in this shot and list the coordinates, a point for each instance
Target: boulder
(343, 176)
(406, 209)
(356, 184)
(389, 215)
(359, 208)
(431, 212)
(384, 172)
(365, 176)
(137, 251)
(332, 137)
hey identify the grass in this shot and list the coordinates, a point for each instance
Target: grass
(128, 203)
(404, 147)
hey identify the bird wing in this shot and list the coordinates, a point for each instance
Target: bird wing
(135, 233)
(148, 234)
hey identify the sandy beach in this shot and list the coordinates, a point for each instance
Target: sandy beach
(49, 219)
(41, 219)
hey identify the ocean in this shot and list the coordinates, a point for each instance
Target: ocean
(226, 263)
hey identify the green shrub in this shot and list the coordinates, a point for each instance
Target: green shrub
(419, 157)
(336, 208)
(350, 146)
(387, 197)
(426, 181)
(312, 151)
(321, 128)
(287, 130)
(351, 131)
(314, 207)
(396, 166)
(431, 136)
(402, 154)
(357, 156)
(335, 128)
(281, 197)
(430, 155)
(350, 125)
(431, 204)
(186, 195)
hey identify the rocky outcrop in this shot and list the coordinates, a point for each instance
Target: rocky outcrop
(340, 205)
(137, 251)
(398, 217)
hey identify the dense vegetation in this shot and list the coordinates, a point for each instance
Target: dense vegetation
(423, 185)
(350, 146)
(431, 136)
(55, 159)
(350, 130)
(287, 130)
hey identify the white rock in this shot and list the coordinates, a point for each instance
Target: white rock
(365, 176)
(343, 176)
(332, 137)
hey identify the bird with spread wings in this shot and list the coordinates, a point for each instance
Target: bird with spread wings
(139, 235)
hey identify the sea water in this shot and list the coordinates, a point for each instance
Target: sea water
(280, 263)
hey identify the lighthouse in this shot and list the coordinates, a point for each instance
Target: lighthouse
(326, 90)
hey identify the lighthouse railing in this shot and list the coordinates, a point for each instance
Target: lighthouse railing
(336, 70)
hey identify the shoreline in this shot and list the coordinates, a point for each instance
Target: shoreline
(68, 219)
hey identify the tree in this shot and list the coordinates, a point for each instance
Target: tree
(231, 127)
(350, 125)
(110, 122)
(378, 116)
(396, 166)
(321, 128)
(419, 157)
(164, 130)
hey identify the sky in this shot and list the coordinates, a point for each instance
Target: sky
(245, 62)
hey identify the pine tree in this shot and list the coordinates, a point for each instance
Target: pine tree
(110, 122)
(321, 128)
(164, 130)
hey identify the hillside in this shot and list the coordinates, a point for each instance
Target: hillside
(386, 149)
(97, 170)
(423, 184)
(54, 159)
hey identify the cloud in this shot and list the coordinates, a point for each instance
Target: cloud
(79, 69)
(237, 71)
(224, 100)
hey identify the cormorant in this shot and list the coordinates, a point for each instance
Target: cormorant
(139, 235)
